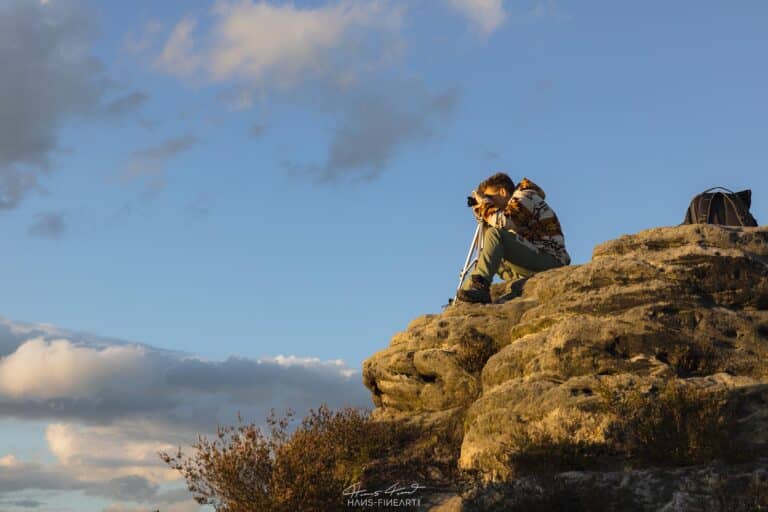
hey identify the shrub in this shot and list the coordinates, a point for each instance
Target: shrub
(694, 359)
(675, 425)
(544, 455)
(560, 441)
(243, 469)
(233, 472)
(475, 348)
(329, 452)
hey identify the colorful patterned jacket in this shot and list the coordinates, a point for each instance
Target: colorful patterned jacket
(528, 215)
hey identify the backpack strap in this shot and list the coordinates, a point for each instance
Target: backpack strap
(721, 188)
(706, 208)
(740, 212)
(692, 215)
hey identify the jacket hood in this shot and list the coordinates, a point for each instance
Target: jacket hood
(526, 184)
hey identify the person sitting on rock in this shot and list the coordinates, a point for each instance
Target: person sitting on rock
(521, 235)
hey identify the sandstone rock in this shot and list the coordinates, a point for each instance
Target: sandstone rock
(686, 305)
(705, 488)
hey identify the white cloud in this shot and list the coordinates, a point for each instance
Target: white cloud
(178, 54)
(57, 479)
(276, 44)
(114, 404)
(152, 161)
(376, 123)
(310, 362)
(333, 58)
(128, 448)
(9, 461)
(486, 16)
(41, 369)
(16, 475)
(51, 373)
(25, 329)
(49, 75)
(54, 373)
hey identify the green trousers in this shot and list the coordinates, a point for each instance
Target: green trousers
(503, 253)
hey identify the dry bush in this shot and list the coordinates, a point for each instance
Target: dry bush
(561, 441)
(475, 348)
(329, 452)
(427, 455)
(695, 359)
(675, 425)
(245, 470)
(233, 472)
(545, 455)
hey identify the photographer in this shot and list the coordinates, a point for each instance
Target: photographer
(521, 236)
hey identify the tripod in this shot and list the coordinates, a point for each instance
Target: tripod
(470, 262)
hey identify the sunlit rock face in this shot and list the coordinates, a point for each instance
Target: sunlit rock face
(685, 305)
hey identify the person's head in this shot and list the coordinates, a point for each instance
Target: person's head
(498, 187)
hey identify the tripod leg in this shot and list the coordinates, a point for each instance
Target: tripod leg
(469, 263)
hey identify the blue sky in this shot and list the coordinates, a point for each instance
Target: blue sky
(190, 177)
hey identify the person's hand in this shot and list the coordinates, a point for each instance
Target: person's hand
(481, 206)
(476, 211)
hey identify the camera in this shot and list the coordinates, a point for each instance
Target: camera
(471, 201)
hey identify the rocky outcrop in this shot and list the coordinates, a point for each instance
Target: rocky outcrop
(682, 306)
(706, 488)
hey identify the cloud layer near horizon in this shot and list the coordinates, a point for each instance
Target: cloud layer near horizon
(51, 373)
(113, 404)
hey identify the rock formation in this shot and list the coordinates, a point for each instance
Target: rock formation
(668, 308)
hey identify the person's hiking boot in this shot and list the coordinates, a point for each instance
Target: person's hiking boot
(479, 290)
(512, 289)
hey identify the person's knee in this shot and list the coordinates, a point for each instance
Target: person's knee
(518, 272)
(492, 233)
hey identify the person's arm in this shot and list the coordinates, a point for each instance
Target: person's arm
(491, 214)
(498, 219)
(519, 209)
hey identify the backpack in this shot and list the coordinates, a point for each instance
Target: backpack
(727, 208)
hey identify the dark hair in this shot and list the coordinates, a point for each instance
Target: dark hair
(497, 180)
